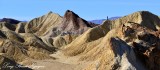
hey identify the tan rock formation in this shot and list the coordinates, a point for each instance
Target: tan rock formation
(20, 27)
(7, 26)
(144, 18)
(43, 24)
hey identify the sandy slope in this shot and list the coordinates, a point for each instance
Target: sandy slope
(54, 65)
(60, 63)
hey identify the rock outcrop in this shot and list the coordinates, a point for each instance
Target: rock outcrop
(20, 28)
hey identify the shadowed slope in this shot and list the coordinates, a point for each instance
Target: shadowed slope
(73, 23)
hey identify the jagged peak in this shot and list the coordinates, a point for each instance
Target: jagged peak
(68, 11)
(69, 14)
(52, 13)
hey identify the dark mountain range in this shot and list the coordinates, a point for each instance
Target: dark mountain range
(10, 20)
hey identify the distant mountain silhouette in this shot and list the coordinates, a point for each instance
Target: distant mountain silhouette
(10, 20)
(99, 21)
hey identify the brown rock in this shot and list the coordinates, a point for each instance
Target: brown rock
(72, 23)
